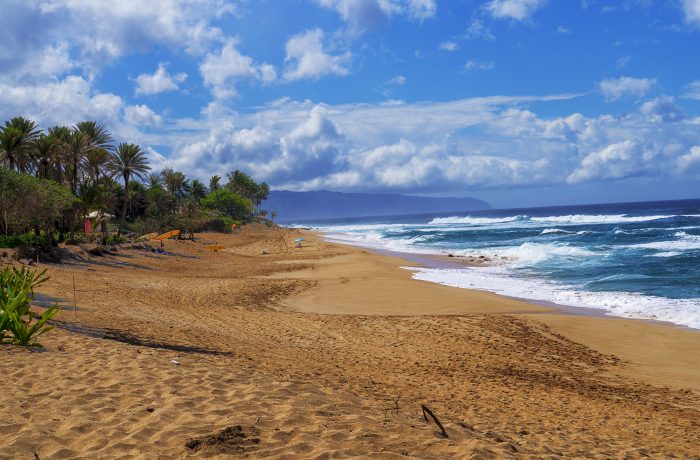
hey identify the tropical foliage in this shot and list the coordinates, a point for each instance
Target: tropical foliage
(18, 325)
(50, 181)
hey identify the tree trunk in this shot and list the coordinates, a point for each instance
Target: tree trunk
(72, 225)
(126, 200)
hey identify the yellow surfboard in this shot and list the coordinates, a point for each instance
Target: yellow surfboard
(167, 235)
(146, 237)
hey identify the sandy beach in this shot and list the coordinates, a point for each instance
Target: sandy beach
(264, 350)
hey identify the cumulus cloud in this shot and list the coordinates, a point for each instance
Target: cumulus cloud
(65, 101)
(477, 30)
(306, 57)
(367, 14)
(221, 69)
(141, 115)
(473, 64)
(692, 90)
(690, 162)
(103, 31)
(663, 108)
(691, 10)
(616, 88)
(158, 82)
(449, 46)
(398, 146)
(619, 160)
(518, 10)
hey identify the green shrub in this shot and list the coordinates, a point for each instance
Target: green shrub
(23, 240)
(114, 239)
(16, 292)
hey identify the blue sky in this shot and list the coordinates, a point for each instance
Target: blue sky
(519, 102)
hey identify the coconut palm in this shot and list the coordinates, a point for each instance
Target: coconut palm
(155, 181)
(128, 161)
(44, 152)
(96, 136)
(214, 183)
(16, 138)
(175, 182)
(95, 162)
(197, 190)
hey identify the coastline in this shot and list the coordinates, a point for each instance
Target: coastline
(444, 261)
(330, 350)
(660, 352)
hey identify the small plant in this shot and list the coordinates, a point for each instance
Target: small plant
(16, 292)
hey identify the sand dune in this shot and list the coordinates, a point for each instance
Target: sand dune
(328, 352)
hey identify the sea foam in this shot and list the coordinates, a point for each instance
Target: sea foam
(626, 304)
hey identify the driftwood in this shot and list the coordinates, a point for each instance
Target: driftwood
(427, 412)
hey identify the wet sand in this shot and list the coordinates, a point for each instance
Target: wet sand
(329, 351)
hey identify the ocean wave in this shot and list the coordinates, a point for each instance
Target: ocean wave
(684, 242)
(666, 254)
(528, 254)
(468, 220)
(684, 312)
(583, 219)
(548, 231)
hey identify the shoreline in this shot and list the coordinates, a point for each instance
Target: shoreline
(330, 351)
(444, 261)
(656, 348)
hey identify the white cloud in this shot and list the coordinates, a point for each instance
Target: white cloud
(663, 108)
(690, 162)
(220, 70)
(397, 80)
(141, 115)
(473, 64)
(104, 31)
(616, 161)
(306, 57)
(564, 30)
(449, 46)
(622, 61)
(158, 82)
(477, 30)
(691, 10)
(692, 90)
(519, 10)
(65, 101)
(615, 88)
(367, 14)
(476, 143)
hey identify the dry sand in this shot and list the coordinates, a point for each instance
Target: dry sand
(328, 352)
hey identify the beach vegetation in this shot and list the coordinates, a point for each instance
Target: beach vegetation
(53, 181)
(18, 324)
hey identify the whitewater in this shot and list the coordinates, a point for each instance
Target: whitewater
(635, 260)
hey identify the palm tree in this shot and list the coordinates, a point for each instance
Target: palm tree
(214, 183)
(16, 138)
(62, 135)
(175, 182)
(197, 190)
(44, 150)
(128, 161)
(96, 136)
(10, 146)
(95, 162)
(155, 181)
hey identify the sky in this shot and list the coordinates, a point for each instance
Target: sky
(518, 102)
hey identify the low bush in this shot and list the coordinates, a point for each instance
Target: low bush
(24, 240)
(16, 318)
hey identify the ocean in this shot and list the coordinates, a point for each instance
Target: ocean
(636, 260)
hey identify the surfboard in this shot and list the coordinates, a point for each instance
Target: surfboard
(167, 235)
